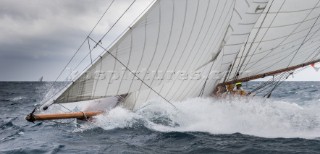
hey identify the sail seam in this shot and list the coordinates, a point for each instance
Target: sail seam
(153, 55)
(167, 44)
(245, 68)
(230, 11)
(193, 46)
(186, 44)
(241, 62)
(267, 55)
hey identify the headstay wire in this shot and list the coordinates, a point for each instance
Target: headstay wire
(76, 52)
(123, 33)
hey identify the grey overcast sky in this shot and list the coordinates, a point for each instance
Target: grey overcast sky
(38, 37)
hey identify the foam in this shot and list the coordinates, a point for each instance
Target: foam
(251, 116)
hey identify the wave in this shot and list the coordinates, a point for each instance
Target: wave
(250, 116)
(18, 98)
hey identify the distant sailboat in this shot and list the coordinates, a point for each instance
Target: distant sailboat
(179, 49)
(41, 79)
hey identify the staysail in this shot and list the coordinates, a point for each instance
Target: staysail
(176, 50)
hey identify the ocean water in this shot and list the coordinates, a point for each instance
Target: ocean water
(288, 122)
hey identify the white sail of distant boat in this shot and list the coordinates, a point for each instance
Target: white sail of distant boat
(177, 49)
(40, 79)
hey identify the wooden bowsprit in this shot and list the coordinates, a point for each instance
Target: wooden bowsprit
(73, 115)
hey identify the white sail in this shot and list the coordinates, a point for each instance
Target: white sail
(207, 59)
(287, 34)
(176, 50)
(40, 79)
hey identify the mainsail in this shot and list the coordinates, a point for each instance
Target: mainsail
(178, 49)
(286, 35)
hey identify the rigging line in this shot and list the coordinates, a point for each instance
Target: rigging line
(284, 36)
(264, 87)
(290, 48)
(245, 69)
(154, 52)
(278, 83)
(232, 63)
(273, 64)
(123, 33)
(101, 17)
(302, 10)
(84, 41)
(304, 40)
(291, 24)
(116, 21)
(273, 39)
(282, 40)
(90, 50)
(207, 78)
(144, 48)
(77, 51)
(266, 51)
(280, 55)
(248, 78)
(316, 52)
(268, 85)
(258, 88)
(135, 75)
(240, 64)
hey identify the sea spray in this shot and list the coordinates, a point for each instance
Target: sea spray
(251, 116)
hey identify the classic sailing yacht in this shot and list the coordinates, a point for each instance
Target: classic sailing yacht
(177, 49)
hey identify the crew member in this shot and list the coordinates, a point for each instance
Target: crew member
(230, 89)
(221, 91)
(239, 90)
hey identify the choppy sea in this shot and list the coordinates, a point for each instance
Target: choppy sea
(288, 122)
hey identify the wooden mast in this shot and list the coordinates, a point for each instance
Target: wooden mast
(269, 73)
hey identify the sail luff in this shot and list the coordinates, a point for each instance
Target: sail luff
(270, 73)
